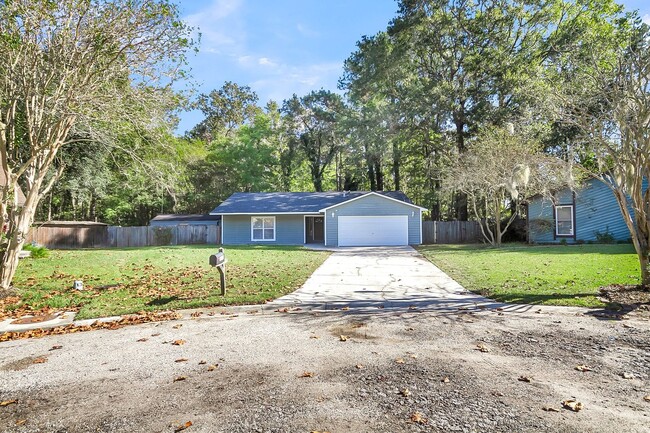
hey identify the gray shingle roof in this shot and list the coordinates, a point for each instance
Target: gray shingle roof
(292, 202)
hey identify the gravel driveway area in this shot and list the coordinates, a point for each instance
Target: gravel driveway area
(304, 371)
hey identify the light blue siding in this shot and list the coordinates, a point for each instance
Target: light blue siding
(289, 230)
(596, 211)
(372, 205)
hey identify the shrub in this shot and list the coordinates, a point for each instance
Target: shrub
(605, 238)
(38, 251)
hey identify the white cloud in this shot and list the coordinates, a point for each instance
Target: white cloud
(264, 61)
(646, 19)
(286, 80)
(219, 27)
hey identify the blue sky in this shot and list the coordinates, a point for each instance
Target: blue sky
(282, 47)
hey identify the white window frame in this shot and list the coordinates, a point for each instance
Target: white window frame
(263, 217)
(573, 222)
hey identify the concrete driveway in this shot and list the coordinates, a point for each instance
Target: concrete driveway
(371, 278)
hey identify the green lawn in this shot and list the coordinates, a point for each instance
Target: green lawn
(551, 275)
(121, 281)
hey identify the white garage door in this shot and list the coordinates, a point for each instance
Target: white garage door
(373, 230)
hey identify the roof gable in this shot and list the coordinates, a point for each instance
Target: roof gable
(383, 196)
(294, 202)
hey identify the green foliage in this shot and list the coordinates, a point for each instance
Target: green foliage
(162, 235)
(605, 237)
(37, 251)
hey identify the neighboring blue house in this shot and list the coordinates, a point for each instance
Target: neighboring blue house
(332, 218)
(579, 216)
(167, 220)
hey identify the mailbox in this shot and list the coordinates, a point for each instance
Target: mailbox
(218, 259)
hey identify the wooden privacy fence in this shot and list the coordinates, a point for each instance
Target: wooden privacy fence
(451, 232)
(121, 237)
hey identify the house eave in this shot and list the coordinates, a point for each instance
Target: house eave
(266, 213)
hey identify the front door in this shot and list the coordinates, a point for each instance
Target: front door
(315, 230)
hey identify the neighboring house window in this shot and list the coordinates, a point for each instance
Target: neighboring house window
(564, 224)
(263, 228)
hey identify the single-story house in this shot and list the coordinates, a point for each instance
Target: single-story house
(348, 218)
(169, 220)
(588, 214)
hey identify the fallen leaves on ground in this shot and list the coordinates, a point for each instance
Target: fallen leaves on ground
(572, 404)
(524, 379)
(181, 360)
(445, 379)
(647, 398)
(315, 337)
(56, 347)
(182, 427)
(141, 340)
(419, 418)
(212, 367)
(179, 378)
(343, 337)
(405, 392)
(550, 409)
(203, 362)
(21, 421)
(196, 314)
(177, 326)
(482, 347)
(178, 342)
(8, 402)
(40, 360)
(359, 366)
(627, 375)
(399, 361)
(583, 368)
(307, 374)
(131, 319)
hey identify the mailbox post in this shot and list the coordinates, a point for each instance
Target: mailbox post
(219, 261)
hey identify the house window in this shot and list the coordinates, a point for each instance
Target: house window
(263, 228)
(564, 224)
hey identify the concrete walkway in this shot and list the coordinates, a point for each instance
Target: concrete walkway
(372, 278)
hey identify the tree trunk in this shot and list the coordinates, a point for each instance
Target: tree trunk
(19, 225)
(380, 177)
(317, 179)
(396, 166)
(645, 270)
(460, 200)
(371, 170)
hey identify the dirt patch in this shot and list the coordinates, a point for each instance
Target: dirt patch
(626, 297)
(354, 329)
(23, 363)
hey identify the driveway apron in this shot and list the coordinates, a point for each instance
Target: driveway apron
(371, 278)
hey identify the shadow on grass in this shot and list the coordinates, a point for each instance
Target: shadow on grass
(541, 299)
(530, 249)
(159, 302)
(203, 247)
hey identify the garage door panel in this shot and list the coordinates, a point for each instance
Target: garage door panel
(372, 230)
